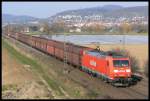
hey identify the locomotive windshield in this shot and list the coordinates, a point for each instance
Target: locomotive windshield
(121, 63)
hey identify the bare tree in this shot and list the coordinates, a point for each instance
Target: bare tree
(46, 28)
(126, 27)
(59, 26)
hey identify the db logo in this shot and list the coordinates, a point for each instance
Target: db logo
(121, 71)
(93, 63)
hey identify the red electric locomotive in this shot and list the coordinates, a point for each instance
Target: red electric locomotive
(112, 68)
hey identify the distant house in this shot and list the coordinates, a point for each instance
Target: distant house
(71, 30)
(78, 30)
(28, 29)
(41, 29)
(75, 30)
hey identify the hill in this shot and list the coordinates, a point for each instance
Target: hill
(8, 18)
(108, 11)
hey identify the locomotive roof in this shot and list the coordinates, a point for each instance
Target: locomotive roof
(104, 54)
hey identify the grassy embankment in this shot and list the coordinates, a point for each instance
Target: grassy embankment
(34, 64)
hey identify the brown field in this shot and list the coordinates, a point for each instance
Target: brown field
(140, 51)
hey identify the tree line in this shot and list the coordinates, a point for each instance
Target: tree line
(61, 27)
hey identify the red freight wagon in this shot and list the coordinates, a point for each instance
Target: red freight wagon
(23, 38)
(76, 53)
(77, 49)
(76, 59)
(69, 47)
(37, 44)
(58, 53)
(19, 37)
(26, 39)
(50, 47)
(58, 44)
(69, 57)
(33, 41)
(43, 44)
(69, 53)
(12, 35)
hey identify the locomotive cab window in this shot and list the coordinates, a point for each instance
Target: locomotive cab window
(120, 63)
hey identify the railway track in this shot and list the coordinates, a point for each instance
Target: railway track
(128, 92)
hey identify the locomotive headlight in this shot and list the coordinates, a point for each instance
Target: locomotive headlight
(128, 70)
(115, 71)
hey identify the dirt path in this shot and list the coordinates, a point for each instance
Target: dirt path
(86, 84)
(14, 72)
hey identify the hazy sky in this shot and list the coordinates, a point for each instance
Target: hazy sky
(47, 9)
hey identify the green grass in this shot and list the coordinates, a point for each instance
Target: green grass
(25, 60)
(92, 94)
(35, 33)
(53, 84)
(99, 33)
(88, 33)
(77, 93)
(8, 87)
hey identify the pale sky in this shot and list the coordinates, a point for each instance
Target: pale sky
(47, 9)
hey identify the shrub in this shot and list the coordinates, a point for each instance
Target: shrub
(134, 64)
(133, 60)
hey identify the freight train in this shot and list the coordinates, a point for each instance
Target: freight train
(113, 69)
